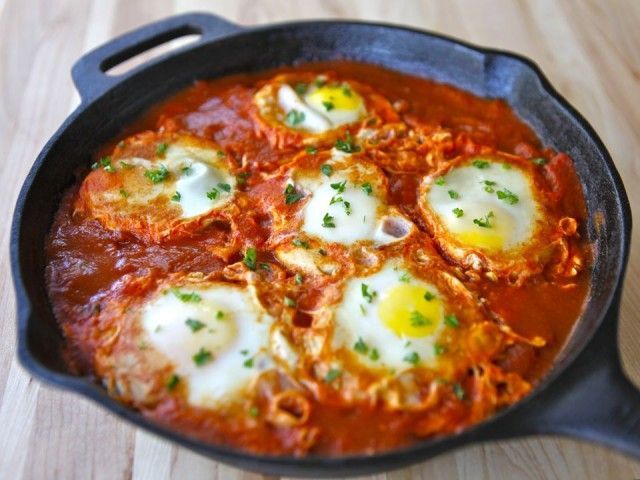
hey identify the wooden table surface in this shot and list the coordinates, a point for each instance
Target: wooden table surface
(590, 51)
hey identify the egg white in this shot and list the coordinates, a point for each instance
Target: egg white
(237, 339)
(512, 220)
(357, 319)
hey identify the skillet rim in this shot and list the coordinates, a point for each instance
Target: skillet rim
(357, 463)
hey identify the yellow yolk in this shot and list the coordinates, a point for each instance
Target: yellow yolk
(493, 236)
(340, 97)
(405, 311)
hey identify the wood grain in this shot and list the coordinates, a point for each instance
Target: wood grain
(590, 51)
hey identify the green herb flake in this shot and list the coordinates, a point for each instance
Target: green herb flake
(124, 193)
(328, 106)
(481, 164)
(186, 170)
(347, 145)
(440, 181)
(453, 194)
(161, 149)
(291, 195)
(294, 117)
(213, 193)
(506, 166)
(417, 319)
(289, 302)
(451, 321)
(194, 325)
(186, 297)
(539, 161)
(157, 175)
(332, 375)
(328, 221)
(203, 356)
(405, 277)
(508, 196)
(320, 82)
(439, 349)
(374, 355)
(339, 186)
(326, 170)
(361, 347)
(458, 391)
(346, 91)
(413, 358)
(298, 242)
(301, 88)
(248, 363)
(367, 293)
(173, 381)
(224, 186)
(250, 257)
(219, 315)
(367, 188)
(254, 412)
(322, 252)
(484, 222)
(241, 178)
(176, 197)
(298, 279)
(311, 150)
(221, 154)
(428, 296)
(265, 266)
(458, 212)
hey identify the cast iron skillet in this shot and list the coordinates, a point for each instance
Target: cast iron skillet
(585, 395)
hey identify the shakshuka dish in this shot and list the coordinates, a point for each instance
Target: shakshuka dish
(331, 258)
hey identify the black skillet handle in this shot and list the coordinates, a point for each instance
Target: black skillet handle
(593, 399)
(89, 72)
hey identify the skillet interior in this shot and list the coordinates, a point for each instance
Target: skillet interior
(484, 73)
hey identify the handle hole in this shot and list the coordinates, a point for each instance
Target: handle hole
(130, 58)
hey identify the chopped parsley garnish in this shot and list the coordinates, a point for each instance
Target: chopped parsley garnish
(173, 381)
(328, 221)
(187, 170)
(194, 324)
(105, 163)
(417, 319)
(322, 252)
(451, 321)
(187, 297)
(338, 199)
(213, 193)
(124, 164)
(539, 161)
(161, 149)
(508, 196)
(203, 356)
(439, 349)
(458, 212)
(374, 355)
(250, 257)
(413, 358)
(405, 277)
(294, 117)
(506, 166)
(290, 195)
(458, 391)
(298, 279)
(224, 186)
(328, 106)
(297, 242)
(320, 82)
(332, 375)
(289, 302)
(124, 193)
(488, 186)
(440, 181)
(347, 145)
(265, 266)
(248, 363)
(221, 154)
(300, 88)
(339, 186)
(484, 222)
(481, 164)
(361, 347)
(158, 175)
(311, 150)
(368, 294)
(453, 194)
(176, 197)
(346, 90)
(219, 315)
(428, 296)
(327, 170)
(254, 412)
(242, 177)
(367, 188)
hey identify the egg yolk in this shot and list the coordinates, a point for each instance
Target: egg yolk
(491, 233)
(410, 311)
(340, 97)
